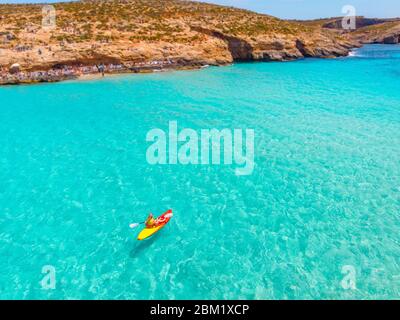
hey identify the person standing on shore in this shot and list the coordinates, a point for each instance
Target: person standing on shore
(101, 68)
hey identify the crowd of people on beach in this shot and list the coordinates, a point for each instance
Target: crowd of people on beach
(34, 76)
(64, 72)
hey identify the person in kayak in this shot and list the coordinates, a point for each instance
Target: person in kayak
(150, 221)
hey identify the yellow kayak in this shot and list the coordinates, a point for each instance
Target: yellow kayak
(161, 222)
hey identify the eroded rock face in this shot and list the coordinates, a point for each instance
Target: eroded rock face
(301, 46)
(388, 35)
(367, 30)
(265, 48)
(188, 33)
(394, 39)
(239, 49)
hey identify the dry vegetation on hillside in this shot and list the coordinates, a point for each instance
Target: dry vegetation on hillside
(133, 30)
(368, 30)
(142, 20)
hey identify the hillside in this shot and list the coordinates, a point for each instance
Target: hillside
(368, 30)
(134, 32)
(388, 33)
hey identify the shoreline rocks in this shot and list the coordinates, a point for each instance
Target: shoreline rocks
(54, 75)
(231, 49)
(64, 72)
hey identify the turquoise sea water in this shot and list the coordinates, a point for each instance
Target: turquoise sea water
(324, 192)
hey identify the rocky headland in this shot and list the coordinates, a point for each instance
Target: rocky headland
(113, 36)
(367, 31)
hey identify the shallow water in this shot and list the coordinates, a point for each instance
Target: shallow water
(324, 192)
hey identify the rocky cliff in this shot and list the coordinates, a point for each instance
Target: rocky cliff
(386, 33)
(134, 31)
(368, 30)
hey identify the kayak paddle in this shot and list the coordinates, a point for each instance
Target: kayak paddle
(135, 225)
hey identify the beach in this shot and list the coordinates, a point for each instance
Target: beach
(85, 72)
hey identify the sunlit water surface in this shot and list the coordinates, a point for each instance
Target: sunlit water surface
(324, 193)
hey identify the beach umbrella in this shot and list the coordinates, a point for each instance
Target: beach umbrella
(15, 68)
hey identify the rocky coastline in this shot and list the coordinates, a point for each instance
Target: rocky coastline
(15, 74)
(69, 62)
(65, 72)
(135, 36)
